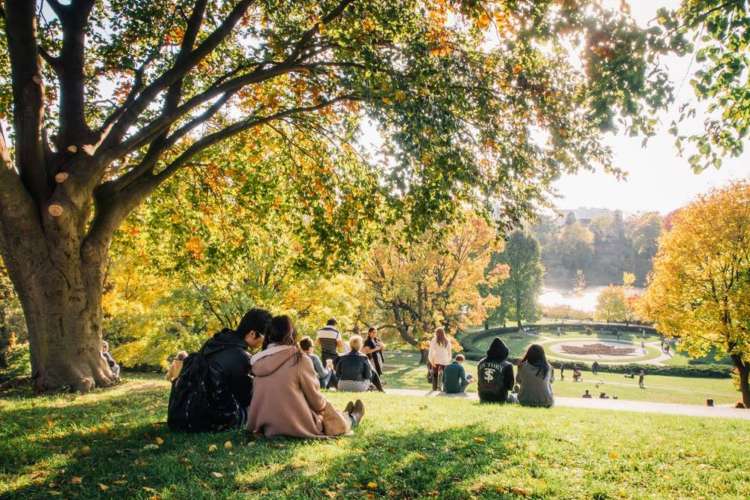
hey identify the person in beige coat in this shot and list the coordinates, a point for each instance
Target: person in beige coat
(286, 394)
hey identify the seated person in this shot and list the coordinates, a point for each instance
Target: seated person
(287, 400)
(219, 401)
(110, 360)
(176, 367)
(535, 378)
(586, 394)
(324, 372)
(353, 369)
(495, 374)
(454, 377)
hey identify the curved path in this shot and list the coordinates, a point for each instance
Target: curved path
(610, 404)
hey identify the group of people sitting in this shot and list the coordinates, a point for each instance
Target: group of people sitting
(276, 391)
(531, 386)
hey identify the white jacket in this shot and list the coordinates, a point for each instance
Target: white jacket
(440, 355)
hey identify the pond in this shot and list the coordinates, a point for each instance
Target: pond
(582, 300)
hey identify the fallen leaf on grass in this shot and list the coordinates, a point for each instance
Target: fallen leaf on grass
(103, 487)
(76, 480)
(217, 475)
(372, 485)
(330, 494)
(519, 491)
(212, 448)
(614, 455)
(120, 482)
(151, 447)
(159, 441)
(228, 445)
(84, 451)
(54, 493)
(479, 439)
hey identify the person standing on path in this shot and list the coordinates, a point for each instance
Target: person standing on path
(439, 356)
(641, 379)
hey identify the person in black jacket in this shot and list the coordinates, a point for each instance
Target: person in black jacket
(353, 370)
(495, 374)
(230, 385)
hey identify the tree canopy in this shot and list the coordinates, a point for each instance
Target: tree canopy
(700, 290)
(476, 102)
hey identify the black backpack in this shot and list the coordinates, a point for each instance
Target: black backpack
(189, 400)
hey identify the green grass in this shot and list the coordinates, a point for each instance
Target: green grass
(406, 447)
(402, 371)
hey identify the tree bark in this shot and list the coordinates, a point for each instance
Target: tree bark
(59, 283)
(743, 369)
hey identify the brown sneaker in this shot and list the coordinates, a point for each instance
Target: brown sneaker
(358, 412)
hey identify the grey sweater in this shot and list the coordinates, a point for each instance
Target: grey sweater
(535, 390)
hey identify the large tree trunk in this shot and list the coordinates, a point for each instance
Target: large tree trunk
(744, 372)
(59, 281)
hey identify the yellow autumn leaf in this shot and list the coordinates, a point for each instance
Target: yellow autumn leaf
(217, 475)
(614, 455)
(228, 445)
(103, 487)
(212, 448)
(159, 441)
(372, 485)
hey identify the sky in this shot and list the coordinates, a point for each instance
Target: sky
(658, 178)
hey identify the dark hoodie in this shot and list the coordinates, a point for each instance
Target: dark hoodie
(230, 369)
(495, 374)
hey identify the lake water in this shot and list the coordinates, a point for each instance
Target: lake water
(584, 300)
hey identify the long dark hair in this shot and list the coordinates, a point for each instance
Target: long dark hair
(441, 338)
(535, 357)
(282, 332)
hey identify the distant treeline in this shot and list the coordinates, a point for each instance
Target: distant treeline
(594, 247)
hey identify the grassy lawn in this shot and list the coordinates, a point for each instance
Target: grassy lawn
(402, 371)
(114, 443)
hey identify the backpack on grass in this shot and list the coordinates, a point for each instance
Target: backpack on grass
(194, 401)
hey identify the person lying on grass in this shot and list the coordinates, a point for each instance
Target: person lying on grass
(286, 395)
(535, 379)
(495, 374)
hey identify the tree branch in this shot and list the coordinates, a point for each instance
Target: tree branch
(28, 97)
(177, 71)
(73, 127)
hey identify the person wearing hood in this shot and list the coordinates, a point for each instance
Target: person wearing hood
(287, 400)
(495, 374)
(213, 389)
(535, 379)
(229, 361)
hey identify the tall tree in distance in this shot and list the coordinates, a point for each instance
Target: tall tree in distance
(109, 100)
(700, 288)
(518, 293)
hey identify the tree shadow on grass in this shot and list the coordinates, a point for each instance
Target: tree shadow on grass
(126, 460)
(414, 464)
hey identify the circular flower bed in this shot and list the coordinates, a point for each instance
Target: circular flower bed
(598, 349)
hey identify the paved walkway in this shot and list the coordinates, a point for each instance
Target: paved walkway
(610, 404)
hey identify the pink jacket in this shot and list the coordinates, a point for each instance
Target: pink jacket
(287, 399)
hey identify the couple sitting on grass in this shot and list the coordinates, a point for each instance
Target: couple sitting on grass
(534, 378)
(216, 391)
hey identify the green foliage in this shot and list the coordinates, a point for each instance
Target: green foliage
(519, 292)
(719, 31)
